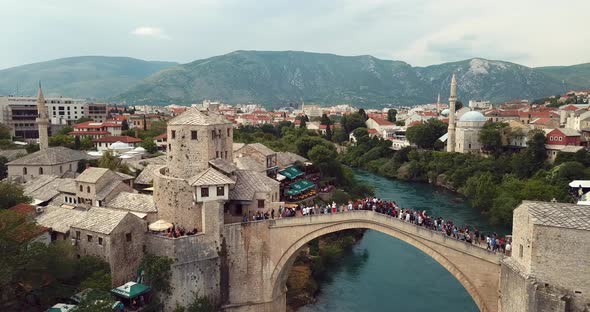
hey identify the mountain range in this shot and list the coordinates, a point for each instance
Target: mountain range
(278, 78)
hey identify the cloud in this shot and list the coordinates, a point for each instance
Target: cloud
(147, 31)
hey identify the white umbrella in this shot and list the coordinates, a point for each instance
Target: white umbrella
(160, 225)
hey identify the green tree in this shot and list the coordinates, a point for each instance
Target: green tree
(325, 120)
(5, 132)
(65, 130)
(157, 272)
(3, 167)
(490, 136)
(12, 194)
(351, 122)
(31, 148)
(124, 125)
(339, 136)
(322, 153)
(391, 115)
(306, 143)
(425, 134)
(481, 190)
(83, 119)
(149, 145)
(328, 133)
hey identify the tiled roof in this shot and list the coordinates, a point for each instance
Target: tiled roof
(92, 174)
(147, 174)
(60, 219)
(562, 215)
(223, 165)
(133, 202)
(142, 163)
(44, 187)
(13, 154)
(285, 159)
(50, 156)
(67, 185)
(100, 220)
(249, 163)
(210, 177)
(237, 146)
(117, 138)
(261, 148)
(194, 116)
(107, 189)
(249, 183)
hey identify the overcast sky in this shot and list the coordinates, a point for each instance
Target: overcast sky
(420, 32)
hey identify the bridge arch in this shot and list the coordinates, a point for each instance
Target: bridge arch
(446, 251)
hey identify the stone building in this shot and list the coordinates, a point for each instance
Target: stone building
(547, 270)
(467, 132)
(117, 237)
(50, 161)
(97, 186)
(253, 192)
(261, 154)
(186, 182)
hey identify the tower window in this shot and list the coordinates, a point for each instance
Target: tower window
(228, 132)
(40, 170)
(216, 154)
(128, 237)
(204, 191)
(220, 191)
(173, 134)
(212, 133)
(261, 203)
(89, 238)
(520, 251)
(24, 170)
(88, 189)
(193, 135)
(81, 188)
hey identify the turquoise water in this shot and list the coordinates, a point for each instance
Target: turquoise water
(385, 274)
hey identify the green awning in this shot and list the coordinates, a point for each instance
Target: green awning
(291, 172)
(300, 186)
(131, 290)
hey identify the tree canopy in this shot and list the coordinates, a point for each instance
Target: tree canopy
(424, 135)
(12, 194)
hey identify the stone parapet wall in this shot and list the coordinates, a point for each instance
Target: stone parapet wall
(174, 199)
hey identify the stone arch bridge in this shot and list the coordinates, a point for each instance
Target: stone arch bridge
(259, 256)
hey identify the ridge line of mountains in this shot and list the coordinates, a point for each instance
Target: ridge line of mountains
(277, 78)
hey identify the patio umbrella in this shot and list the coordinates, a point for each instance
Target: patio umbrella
(160, 225)
(61, 307)
(130, 290)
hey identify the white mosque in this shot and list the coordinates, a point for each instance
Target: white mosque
(463, 135)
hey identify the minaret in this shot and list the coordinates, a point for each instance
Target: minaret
(438, 104)
(451, 130)
(42, 120)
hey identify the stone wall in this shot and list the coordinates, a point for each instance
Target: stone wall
(126, 256)
(197, 264)
(33, 171)
(523, 293)
(174, 198)
(559, 256)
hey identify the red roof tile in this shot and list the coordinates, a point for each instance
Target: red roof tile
(88, 132)
(25, 209)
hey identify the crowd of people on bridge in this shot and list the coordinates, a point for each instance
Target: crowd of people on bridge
(489, 240)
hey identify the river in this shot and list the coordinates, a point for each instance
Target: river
(383, 273)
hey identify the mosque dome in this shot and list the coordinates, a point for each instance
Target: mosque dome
(139, 149)
(445, 112)
(119, 145)
(472, 116)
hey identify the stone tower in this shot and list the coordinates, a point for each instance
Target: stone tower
(451, 130)
(196, 137)
(42, 120)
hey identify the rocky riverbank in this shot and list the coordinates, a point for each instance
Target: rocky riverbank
(312, 264)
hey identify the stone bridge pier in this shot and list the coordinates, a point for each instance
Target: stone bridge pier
(259, 256)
